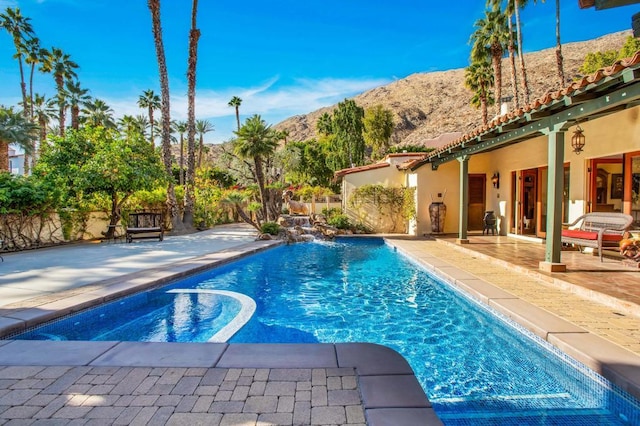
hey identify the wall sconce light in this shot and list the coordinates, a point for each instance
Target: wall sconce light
(578, 140)
(495, 180)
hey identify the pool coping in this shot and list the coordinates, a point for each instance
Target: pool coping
(389, 391)
(613, 362)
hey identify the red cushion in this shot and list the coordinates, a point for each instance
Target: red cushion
(589, 235)
(576, 233)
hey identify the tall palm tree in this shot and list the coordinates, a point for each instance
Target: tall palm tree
(44, 110)
(479, 79)
(98, 113)
(34, 56)
(202, 127)
(62, 67)
(491, 38)
(151, 101)
(236, 102)
(559, 58)
(511, 47)
(181, 128)
(172, 204)
(20, 30)
(189, 193)
(76, 97)
(517, 5)
(17, 129)
(256, 141)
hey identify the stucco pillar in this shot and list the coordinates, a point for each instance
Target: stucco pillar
(464, 200)
(555, 186)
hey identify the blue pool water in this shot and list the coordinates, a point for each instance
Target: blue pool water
(475, 367)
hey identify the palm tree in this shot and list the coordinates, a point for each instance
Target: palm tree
(129, 125)
(559, 59)
(490, 38)
(479, 79)
(62, 67)
(496, 4)
(517, 5)
(189, 193)
(151, 101)
(142, 123)
(44, 110)
(202, 127)
(325, 124)
(181, 128)
(98, 113)
(21, 30)
(256, 141)
(34, 56)
(17, 129)
(76, 97)
(237, 200)
(172, 204)
(236, 102)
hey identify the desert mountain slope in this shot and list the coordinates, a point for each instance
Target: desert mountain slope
(427, 105)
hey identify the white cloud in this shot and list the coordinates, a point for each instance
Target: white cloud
(272, 101)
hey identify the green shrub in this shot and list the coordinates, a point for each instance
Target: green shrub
(271, 228)
(332, 212)
(340, 221)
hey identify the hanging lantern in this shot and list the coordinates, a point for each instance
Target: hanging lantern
(578, 140)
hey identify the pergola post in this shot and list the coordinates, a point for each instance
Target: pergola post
(464, 200)
(555, 188)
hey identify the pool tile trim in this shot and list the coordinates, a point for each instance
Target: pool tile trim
(14, 320)
(616, 364)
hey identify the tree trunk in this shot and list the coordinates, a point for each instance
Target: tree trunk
(151, 140)
(497, 70)
(559, 60)
(172, 204)
(523, 69)
(114, 218)
(246, 218)
(4, 156)
(512, 63)
(189, 193)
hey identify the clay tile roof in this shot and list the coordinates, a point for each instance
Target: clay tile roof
(543, 101)
(359, 169)
(411, 163)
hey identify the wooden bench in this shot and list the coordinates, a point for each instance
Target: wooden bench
(597, 230)
(144, 225)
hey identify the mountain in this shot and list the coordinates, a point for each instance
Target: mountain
(427, 105)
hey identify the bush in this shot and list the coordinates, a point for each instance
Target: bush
(271, 228)
(340, 221)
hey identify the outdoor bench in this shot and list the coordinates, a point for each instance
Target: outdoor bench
(144, 225)
(597, 230)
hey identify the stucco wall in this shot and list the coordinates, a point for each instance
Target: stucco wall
(611, 135)
(386, 176)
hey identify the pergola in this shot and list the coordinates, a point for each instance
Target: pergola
(605, 92)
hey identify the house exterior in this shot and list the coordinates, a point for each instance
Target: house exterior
(388, 172)
(16, 162)
(523, 167)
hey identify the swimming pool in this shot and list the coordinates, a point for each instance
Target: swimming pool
(475, 368)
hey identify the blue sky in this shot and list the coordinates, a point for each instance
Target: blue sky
(282, 57)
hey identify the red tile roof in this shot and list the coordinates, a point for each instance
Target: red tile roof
(359, 169)
(547, 99)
